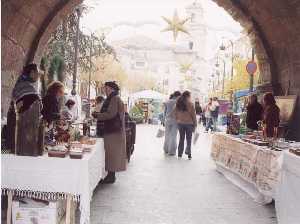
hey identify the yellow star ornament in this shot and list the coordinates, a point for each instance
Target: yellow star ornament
(176, 25)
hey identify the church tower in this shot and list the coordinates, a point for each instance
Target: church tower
(196, 28)
(197, 42)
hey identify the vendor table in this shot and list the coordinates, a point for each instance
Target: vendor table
(52, 178)
(288, 194)
(255, 169)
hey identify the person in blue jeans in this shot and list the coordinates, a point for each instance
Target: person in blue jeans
(185, 115)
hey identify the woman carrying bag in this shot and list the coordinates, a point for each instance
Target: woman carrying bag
(112, 117)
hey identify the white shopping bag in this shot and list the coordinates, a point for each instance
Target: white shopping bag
(160, 133)
(196, 137)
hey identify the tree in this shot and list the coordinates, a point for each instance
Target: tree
(62, 43)
(106, 68)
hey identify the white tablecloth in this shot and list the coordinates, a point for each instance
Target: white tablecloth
(287, 200)
(253, 168)
(46, 177)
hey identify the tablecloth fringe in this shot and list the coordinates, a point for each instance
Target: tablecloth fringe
(47, 196)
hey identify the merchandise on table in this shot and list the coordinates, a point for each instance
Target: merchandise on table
(255, 168)
(75, 180)
(295, 151)
(233, 124)
(57, 151)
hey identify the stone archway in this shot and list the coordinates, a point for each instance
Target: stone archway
(273, 26)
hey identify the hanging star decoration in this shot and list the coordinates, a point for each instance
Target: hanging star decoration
(176, 25)
(184, 67)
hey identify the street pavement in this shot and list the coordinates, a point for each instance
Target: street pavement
(158, 189)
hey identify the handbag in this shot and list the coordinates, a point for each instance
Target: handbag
(113, 125)
(196, 137)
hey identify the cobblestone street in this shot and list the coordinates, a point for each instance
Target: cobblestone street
(158, 189)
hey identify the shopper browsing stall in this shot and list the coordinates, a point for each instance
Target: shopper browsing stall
(254, 113)
(271, 117)
(51, 108)
(112, 116)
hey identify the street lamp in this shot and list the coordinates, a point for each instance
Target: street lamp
(223, 48)
(224, 73)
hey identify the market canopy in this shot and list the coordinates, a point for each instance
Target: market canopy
(148, 94)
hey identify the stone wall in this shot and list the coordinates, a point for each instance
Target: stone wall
(25, 29)
(273, 26)
(276, 25)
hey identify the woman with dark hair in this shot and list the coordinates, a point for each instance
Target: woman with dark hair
(51, 108)
(26, 105)
(113, 118)
(185, 115)
(271, 116)
(254, 113)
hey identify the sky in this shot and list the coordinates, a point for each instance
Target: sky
(120, 19)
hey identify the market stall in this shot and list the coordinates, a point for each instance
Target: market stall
(52, 178)
(287, 199)
(253, 168)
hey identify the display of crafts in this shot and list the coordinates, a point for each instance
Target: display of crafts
(255, 138)
(295, 148)
(57, 150)
(75, 149)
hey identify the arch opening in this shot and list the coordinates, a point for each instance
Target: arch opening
(273, 27)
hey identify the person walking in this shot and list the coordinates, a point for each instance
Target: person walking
(208, 117)
(112, 115)
(214, 108)
(198, 109)
(170, 144)
(254, 113)
(185, 115)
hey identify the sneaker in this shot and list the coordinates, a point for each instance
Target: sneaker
(179, 156)
(190, 157)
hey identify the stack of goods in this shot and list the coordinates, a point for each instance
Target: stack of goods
(76, 150)
(295, 151)
(295, 148)
(255, 138)
(57, 150)
(87, 143)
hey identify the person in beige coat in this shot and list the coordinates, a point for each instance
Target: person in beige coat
(112, 116)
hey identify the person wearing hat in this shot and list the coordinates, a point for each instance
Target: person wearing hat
(112, 116)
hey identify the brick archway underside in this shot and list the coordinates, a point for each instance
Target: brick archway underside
(273, 26)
